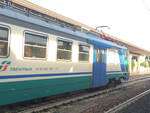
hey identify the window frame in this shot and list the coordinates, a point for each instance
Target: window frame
(67, 40)
(39, 34)
(83, 44)
(9, 33)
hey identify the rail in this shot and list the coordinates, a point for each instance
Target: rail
(128, 102)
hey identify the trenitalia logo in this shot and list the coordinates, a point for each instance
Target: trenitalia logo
(4, 65)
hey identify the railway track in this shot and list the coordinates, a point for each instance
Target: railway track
(56, 103)
(128, 102)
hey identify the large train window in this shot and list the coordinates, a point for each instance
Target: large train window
(4, 41)
(84, 53)
(64, 50)
(35, 46)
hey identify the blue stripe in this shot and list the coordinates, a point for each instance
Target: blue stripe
(42, 75)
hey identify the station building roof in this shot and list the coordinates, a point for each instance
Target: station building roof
(132, 48)
(35, 8)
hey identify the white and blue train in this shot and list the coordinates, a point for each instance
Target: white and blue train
(41, 58)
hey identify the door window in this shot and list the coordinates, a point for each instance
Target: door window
(103, 55)
(97, 55)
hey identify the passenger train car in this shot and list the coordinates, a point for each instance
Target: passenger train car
(42, 58)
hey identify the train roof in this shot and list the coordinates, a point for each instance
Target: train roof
(105, 43)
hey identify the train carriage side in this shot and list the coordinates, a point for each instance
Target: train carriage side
(40, 59)
(111, 62)
(30, 67)
(37, 64)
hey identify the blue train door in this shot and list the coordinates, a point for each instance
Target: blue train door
(99, 70)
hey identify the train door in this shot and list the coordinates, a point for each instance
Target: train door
(99, 70)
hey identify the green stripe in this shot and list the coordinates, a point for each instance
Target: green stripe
(12, 92)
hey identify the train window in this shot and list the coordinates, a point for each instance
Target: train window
(35, 46)
(83, 53)
(4, 41)
(64, 50)
(103, 55)
(97, 55)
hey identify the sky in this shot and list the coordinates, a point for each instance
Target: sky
(128, 20)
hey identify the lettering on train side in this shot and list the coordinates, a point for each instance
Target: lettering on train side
(46, 68)
(4, 65)
(20, 69)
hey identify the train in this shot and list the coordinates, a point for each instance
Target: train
(41, 58)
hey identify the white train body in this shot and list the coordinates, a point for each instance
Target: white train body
(40, 58)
